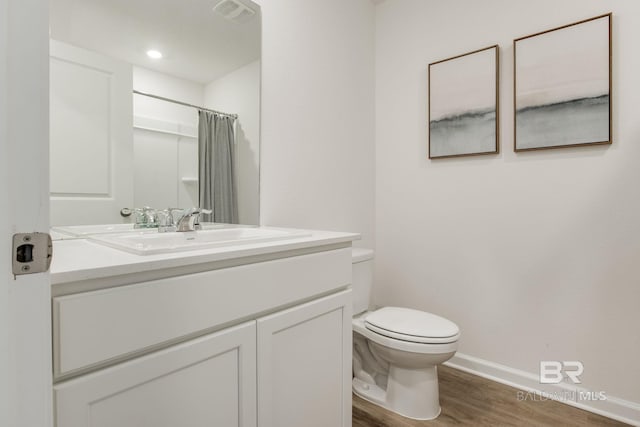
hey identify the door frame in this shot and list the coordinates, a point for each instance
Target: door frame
(25, 307)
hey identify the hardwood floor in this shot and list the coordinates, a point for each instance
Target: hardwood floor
(471, 400)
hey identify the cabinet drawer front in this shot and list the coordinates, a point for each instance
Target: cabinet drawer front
(207, 381)
(94, 328)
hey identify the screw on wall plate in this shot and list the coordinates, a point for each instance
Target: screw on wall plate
(26, 238)
(26, 268)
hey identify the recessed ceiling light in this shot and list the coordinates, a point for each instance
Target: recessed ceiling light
(154, 54)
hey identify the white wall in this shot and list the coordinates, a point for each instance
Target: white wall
(317, 149)
(165, 140)
(535, 255)
(168, 86)
(239, 92)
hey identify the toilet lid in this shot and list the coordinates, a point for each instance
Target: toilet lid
(412, 325)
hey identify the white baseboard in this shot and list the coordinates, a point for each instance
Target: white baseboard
(612, 407)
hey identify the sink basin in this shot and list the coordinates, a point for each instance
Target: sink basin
(83, 231)
(86, 230)
(159, 243)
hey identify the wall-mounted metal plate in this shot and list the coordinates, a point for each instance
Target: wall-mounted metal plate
(32, 253)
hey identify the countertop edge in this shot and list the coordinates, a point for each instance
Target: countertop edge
(129, 264)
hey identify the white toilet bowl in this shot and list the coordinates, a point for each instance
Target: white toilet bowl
(399, 372)
(396, 350)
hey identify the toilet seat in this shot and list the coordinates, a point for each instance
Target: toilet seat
(358, 325)
(412, 326)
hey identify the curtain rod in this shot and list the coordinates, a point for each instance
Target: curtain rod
(162, 98)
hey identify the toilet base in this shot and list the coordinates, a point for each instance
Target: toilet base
(412, 393)
(369, 392)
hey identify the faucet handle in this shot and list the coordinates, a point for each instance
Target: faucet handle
(146, 217)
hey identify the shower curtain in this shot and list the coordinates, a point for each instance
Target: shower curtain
(216, 171)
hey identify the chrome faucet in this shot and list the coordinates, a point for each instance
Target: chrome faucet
(147, 217)
(190, 219)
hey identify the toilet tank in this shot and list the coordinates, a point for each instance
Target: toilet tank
(361, 278)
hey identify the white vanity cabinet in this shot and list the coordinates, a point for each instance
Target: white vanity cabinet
(264, 344)
(304, 365)
(209, 381)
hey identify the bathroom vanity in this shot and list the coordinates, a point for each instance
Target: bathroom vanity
(253, 334)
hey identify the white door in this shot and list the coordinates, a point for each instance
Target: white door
(208, 381)
(25, 319)
(304, 365)
(91, 136)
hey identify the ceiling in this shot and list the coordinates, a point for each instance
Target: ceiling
(197, 44)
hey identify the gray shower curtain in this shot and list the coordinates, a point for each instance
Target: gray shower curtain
(216, 172)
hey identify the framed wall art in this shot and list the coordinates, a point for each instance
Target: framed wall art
(463, 104)
(562, 86)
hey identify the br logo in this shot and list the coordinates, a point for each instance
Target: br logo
(551, 371)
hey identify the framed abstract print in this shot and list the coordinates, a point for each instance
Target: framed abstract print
(562, 86)
(463, 104)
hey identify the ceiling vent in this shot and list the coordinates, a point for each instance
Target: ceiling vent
(234, 11)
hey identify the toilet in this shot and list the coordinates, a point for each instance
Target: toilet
(396, 350)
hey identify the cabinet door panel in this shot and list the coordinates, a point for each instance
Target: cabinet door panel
(209, 381)
(304, 365)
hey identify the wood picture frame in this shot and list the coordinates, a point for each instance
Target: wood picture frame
(562, 86)
(464, 104)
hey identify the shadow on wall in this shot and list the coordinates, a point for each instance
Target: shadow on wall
(248, 175)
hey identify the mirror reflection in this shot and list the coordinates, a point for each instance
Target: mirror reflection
(154, 109)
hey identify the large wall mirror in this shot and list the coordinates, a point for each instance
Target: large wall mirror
(132, 83)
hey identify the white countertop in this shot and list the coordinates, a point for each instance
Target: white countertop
(80, 259)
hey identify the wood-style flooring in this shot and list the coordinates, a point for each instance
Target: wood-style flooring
(474, 401)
